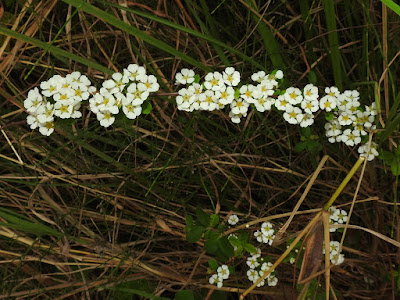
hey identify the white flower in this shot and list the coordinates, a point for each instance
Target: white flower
(263, 103)
(233, 219)
(307, 120)
(235, 118)
(131, 111)
(64, 94)
(293, 115)
(268, 239)
(231, 76)
(371, 109)
(337, 258)
(185, 99)
(246, 92)
(351, 137)
(372, 151)
(51, 86)
(267, 228)
(259, 236)
(352, 95)
(333, 130)
(138, 93)
(281, 103)
(223, 272)
(252, 274)
(45, 113)
(310, 92)
(150, 81)
(342, 216)
(76, 105)
(208, 100)
(278, 74)
(46, 128)
(185, 76)
(327, 103)
(364, 118)
(258, 76)
(293, 95)
(332, 91)
(63, 109)
(106, 118)
(32, 121)
(215, 279)
(214, 81)
(81, 91)
(252, 262)
(266, 266)
(292, 260)
(272, 281)
(239, 106)
(346, 118)
(266, 88)
(226, 95)
(134, 72)
(33, 101)
(309, 106)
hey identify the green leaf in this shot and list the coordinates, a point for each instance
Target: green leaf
(196, 78)
(329, 116)
(221, 228)
(300, 146)
(211, 235)
(214, 220)
(395, 168)
(250, 248)
(239, 251)
(312, 77)
(189, 222)
(392, 5)
(202, 217)
(194, 234)
(213, 264)
(225, 248)
(184, 295)
(146, 108)
(211, 246)
(234, 241)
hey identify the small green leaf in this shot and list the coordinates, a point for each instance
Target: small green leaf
(237, 93)
(211, 235)
(225, 247)
(395, 168)
(211, 246)
(312, 77)
(189, 222)
(239, 251)
(234, 241)
(213, 264)
(300, 146)
(250, 248)
(202, 217)
(146, 108)
(184, 295)
(329, 116)
(214, 220)
(221, 228)
(197, 78)
(194, 234)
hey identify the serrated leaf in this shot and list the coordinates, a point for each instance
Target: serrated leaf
(213, 264)
(202, 217)
(146, 108)
(225, 246)
(194, 234)
(214, 219)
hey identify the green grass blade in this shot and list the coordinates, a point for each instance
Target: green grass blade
(271, 45)
(90, 9)
(54, 50)
(190, 31)
(330, 15)
(392, 5)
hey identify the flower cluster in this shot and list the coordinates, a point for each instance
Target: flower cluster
(126, 91)
(217, 91)
(266, 234)
(59, 97)
(336, 216)
(222, 274)
(334, 255)
(257, 268)
(349, 122)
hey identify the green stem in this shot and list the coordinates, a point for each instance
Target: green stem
(344, 182)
